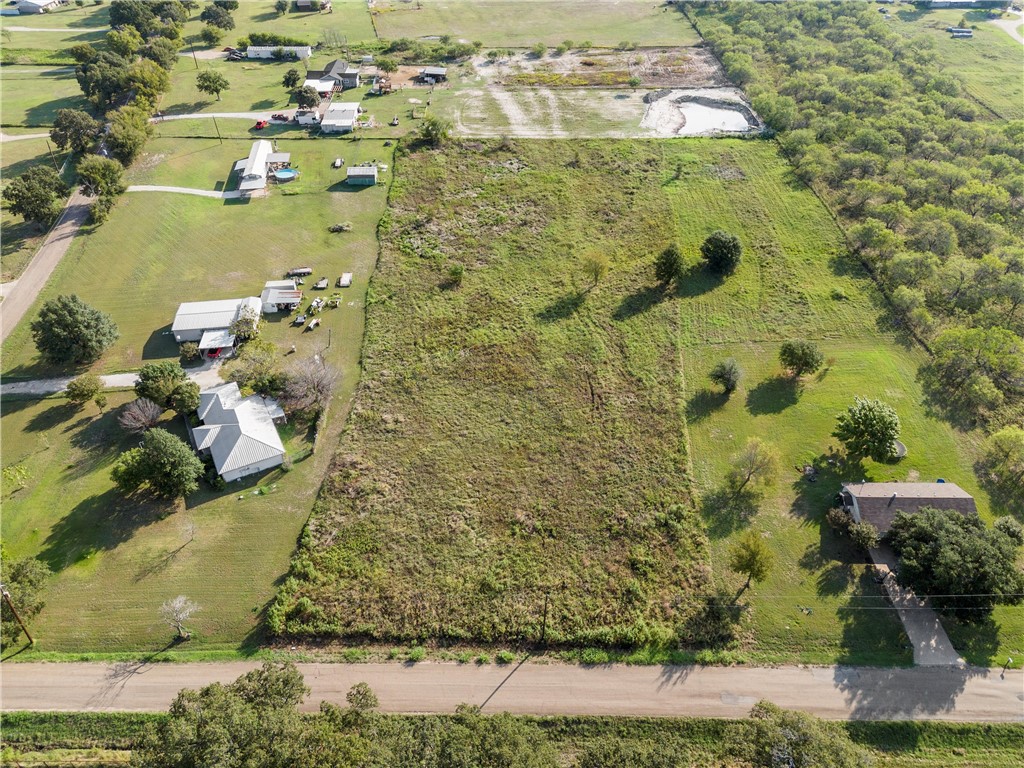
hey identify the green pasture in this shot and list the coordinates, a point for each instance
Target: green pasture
(989, 63)
(255, 86)
(69, 16)
(21, 238)
(119, 560)
(349, 23)
(31, 96)
(523, 23)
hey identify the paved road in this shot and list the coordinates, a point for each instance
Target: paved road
(839, 693)
(185, 191)
(21, 296)
(207, 375)
(56, 29)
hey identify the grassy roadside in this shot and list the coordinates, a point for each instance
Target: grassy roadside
(60, 738)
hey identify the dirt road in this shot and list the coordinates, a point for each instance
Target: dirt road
(922, 693)
(21, 295)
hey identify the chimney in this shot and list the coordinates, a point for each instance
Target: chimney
(892, 498)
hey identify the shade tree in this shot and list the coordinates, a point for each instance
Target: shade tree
(869, 428)
(37, 195)
(800, 357)
(67, 330)
(74, 129)
(722, 251)
(162, 463)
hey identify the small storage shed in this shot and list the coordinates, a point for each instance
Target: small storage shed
(434, 74)
(280, 296)
(361, 175)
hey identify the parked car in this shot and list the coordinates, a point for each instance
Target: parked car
(279, 116)
(345, 280)
(261, 124)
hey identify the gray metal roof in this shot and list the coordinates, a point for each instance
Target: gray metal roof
(239, 432)
(362, 170)
(210, 315)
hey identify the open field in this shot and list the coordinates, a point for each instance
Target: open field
(989, 64)
(21, 238)
(123, 561)
(254, 87)
(32, 96)
(521, 24)
(438, 440)
(440, 427)
(69, 16)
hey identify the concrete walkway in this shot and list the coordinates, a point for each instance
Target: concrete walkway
(210, 115)
(1009, 25)
(838, 693)
(4, 138)
(207, 375)
(27, 287)
(932, 647)
(186, 191)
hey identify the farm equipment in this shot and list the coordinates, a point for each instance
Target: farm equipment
(321, 284)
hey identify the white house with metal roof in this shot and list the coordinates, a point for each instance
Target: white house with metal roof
(340, 117)
(237, 432)
(253, 170)
(38, 6)
(209, 322)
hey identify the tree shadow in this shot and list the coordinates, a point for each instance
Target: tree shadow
(99, 438)
(263, 104)
(52, 417)
(1004, 498)
(697, 281)
(978, 640)
(773, 395)
(703, 404)
(726, 511)
(639, 302)
(187, 108)
(100, 522)
(872, 633)
(44, 114)
(562, 308)
(891, 694)
(160, 344)
(714, 623)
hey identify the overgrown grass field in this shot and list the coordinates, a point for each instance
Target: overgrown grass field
(522, 23)
(526, 432)
(989, 63)
(115, 562)
(350, 22)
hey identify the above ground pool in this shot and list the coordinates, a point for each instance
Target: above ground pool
(285, 174)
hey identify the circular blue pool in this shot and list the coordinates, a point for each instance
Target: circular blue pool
(285, 174)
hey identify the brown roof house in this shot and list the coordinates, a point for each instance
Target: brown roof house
(878, 503)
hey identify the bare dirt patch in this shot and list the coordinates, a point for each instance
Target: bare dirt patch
(656, 67)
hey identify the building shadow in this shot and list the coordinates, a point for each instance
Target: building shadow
(160, 344)
(773, 395)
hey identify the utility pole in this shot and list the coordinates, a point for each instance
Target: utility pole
(218, 130)
(52, 158)
(7, 599)
(328, 338)
(192, 46)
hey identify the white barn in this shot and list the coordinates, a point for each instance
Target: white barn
(209, 322)
(280, 296)
(269, 51)
(237, 432)
(252, 171)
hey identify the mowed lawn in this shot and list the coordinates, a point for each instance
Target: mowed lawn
(989, 63)
(254, 86)
(523, 23)
(21, 238)
(31, 96)
(349, 23)
(116, 562)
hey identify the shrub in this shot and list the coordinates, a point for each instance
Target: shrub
(189, 351)
(84, 388)
(594, 656)
(419, 653)
(505, 657)
(722, 251)
(669, 266)
(211, 35)
(800, 357)
(864, 535)
(727, 374)
(839, 520)
(455, 275)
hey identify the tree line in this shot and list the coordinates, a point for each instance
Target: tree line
(931, 195)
